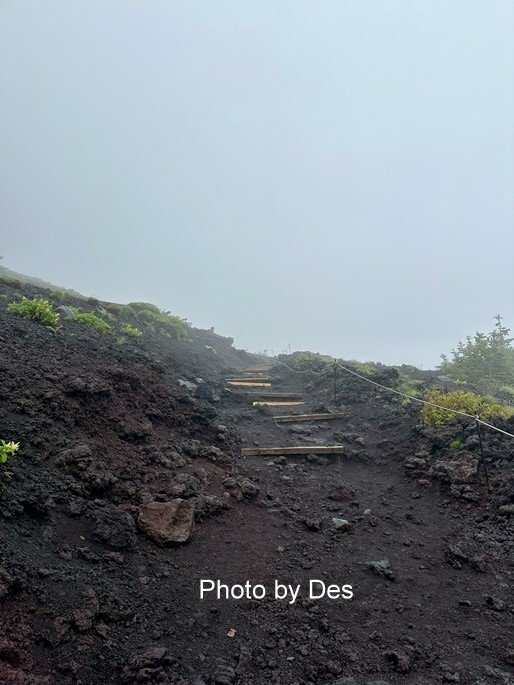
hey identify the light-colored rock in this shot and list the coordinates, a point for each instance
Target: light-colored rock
(341, 524)
(188, 385)
(168, 522)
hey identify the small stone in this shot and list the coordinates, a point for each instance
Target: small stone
(479, 563)
(168, 522)
(399, 659)
(382, 568)
(313, 523)
(494, 603)
(342, 524)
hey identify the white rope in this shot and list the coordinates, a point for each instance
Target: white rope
(489, 425)
(402, 394)
(430, 404)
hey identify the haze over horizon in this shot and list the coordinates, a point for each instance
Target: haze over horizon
(336, 177)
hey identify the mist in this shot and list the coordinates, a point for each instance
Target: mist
(332, 176)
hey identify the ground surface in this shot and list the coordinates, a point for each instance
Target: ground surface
(87, 598)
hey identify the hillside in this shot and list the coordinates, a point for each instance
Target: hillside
(115, 429)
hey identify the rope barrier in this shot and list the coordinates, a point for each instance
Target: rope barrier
(316, 373)
(431, 404)
(402, 394)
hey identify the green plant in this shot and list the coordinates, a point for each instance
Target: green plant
(508, 389)
(365, 368)
(409, 386)
(58, 295)
(485, 358)
(131, 331)
(456, 443)
(162, 322)
(10, 280)
(93, 301)
(91, 320)
(307, 361)
(35, 310)
(115, 309)
(7, 449)
(468, 402)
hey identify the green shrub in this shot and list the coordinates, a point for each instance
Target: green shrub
(115, 309)
(35, 310)
(162, 322)
(131, 331)
(144, 308)
(93, 301)
(364, 368)
(409, 386)
(456, 443)
(10, 280)
(58, 295)
(469, 402)
(7, 449)
(307, 361)
(508, 389)
(485, 359)
(91, 320)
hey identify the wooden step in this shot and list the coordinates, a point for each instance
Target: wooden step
(275, 395)
(278, 403)
(293, 418)
(279, 451)
(265, 395)
(249, 384)
(249, 379)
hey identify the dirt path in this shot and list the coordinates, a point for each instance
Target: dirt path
(434, 621)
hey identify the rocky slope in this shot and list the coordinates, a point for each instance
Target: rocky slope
(129, 489)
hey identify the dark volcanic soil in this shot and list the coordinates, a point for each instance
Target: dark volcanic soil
(105, 428)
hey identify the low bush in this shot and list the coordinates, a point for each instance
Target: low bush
(7, 449)
(10, 280)
(58, 295)
(162, 322)
(115, 309)
(307, 361)
(91, 320)
(131, 331)
(469, 402)
(409, 386)
(35, 310)
(364, 368)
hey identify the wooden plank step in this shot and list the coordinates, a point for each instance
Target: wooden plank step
(279, 451)
(278, 403)
(275, 395)
(249, 384)
(248, 379)
(264, 395)
(293, 418)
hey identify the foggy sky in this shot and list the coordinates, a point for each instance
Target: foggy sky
(336, 175)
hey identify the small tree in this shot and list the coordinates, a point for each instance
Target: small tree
(483, 358)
